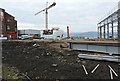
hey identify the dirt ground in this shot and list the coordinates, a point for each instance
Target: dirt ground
(46, 60)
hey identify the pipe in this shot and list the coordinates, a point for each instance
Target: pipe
(113, 70)
(85, 70)
(99, 57)
(28, 77)
(95, 68)
(111, 75)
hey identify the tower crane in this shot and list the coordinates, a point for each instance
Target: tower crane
(46, 12)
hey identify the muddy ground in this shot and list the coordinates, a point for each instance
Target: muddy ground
(46, 60)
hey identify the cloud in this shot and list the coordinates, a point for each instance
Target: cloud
(40, 26)
(28, 26)
(80, 15)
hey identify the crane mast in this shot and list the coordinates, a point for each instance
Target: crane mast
(46, 17)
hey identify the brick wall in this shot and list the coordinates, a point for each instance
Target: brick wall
(9, 26)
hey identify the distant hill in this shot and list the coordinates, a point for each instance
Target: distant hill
(90, 34)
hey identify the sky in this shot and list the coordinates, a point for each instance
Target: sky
(79, 15)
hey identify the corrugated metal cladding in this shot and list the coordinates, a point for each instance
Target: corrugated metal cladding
(8, 25)
(29, 32)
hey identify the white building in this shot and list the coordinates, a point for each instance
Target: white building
(56, 34)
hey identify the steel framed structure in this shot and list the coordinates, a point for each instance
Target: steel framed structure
(109, 28)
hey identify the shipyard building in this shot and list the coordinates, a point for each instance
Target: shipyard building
(54, 34)
(109, 27)
(8, 25)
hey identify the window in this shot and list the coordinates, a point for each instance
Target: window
(8, 20)
(15, 29)
(8, 27)
(49, 32)
(1, 13)
(15, 24)
(1, 35)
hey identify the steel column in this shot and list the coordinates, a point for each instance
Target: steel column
(107, 30)
(118, 29)
(104, 31)
(100, 32)
(112, 30)
(109, 21)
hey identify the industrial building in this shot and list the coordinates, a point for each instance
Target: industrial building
(30, 32)
(109, 28)
(54, 34)
(8, 25)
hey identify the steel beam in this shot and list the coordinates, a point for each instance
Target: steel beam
(111, 49)
(108, 31)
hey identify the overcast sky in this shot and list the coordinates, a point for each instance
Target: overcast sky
(79, 15)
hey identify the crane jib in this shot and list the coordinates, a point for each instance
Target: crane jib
(47, 8)
(46, 13)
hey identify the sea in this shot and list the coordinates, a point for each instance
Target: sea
(85, 34)
(89, 34)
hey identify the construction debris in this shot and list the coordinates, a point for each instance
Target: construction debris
(100, 57)
(27, 77)
(85, 70)
(56, 70)
(83, 62)
(68, 54)
(113, 70)
(95, 68)
(64, 46)
(34, 44)
(37, 57)
(54, 65)
(111, 75)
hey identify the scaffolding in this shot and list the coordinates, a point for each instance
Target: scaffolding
(109, 28)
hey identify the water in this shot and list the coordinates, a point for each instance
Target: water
(85, 35)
